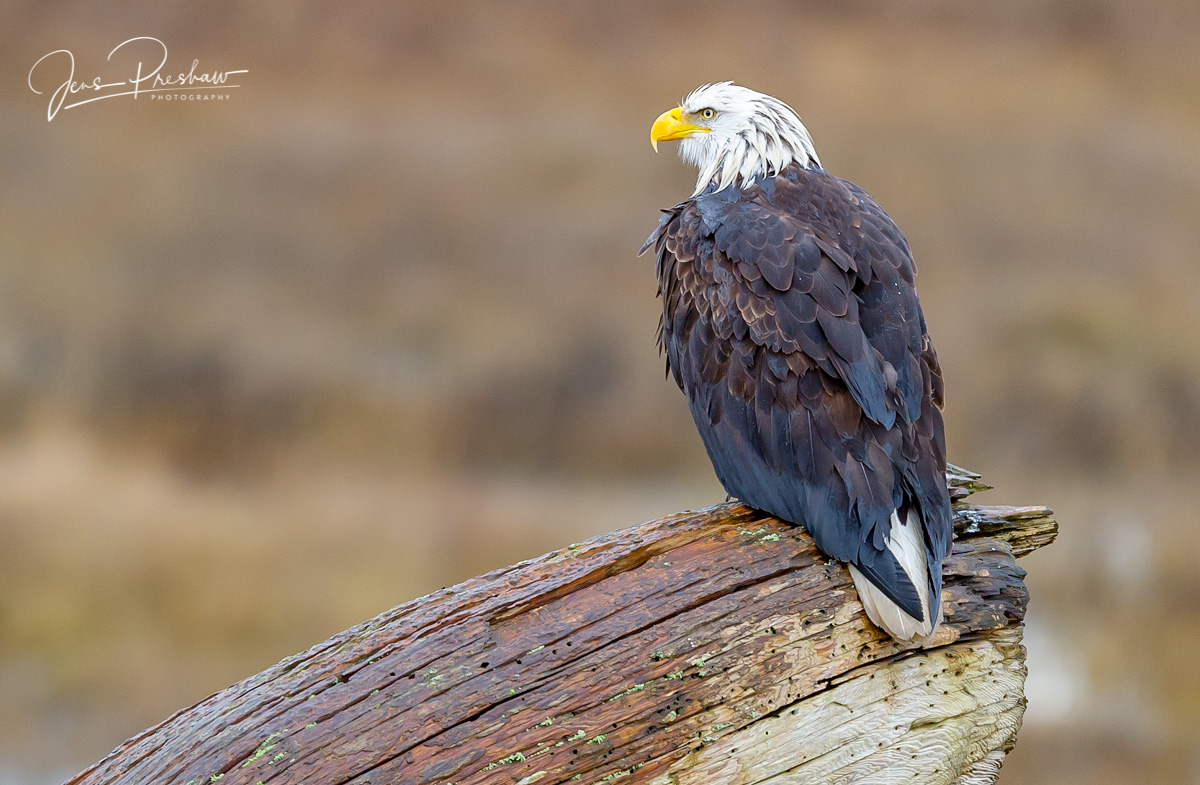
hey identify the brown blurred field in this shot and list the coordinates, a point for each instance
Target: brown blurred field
(270, 366)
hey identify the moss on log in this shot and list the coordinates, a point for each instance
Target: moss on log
(715, 646)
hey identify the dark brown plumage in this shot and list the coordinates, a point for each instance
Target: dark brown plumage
(791, 322)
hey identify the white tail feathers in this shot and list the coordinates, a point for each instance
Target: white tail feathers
(908, 546)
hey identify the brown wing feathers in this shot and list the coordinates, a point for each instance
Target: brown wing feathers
(792, 324)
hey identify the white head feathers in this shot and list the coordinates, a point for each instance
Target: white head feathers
(748, 134)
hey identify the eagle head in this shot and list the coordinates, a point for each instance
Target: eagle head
(733, 134)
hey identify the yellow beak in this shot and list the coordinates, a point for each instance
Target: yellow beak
(670, 125)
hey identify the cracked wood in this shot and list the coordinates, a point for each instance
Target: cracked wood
(715, 646)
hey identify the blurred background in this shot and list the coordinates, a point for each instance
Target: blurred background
(375, 324)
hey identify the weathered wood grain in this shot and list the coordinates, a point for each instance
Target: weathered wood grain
(715, 646)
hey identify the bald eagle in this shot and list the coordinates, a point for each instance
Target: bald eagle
(791, 322)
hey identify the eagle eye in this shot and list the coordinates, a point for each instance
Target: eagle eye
(708, 113)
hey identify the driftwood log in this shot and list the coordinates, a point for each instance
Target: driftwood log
(712, 647)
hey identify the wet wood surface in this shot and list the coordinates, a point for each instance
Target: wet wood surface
(715, 646)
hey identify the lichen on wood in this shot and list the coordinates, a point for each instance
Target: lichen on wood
(715, 646)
